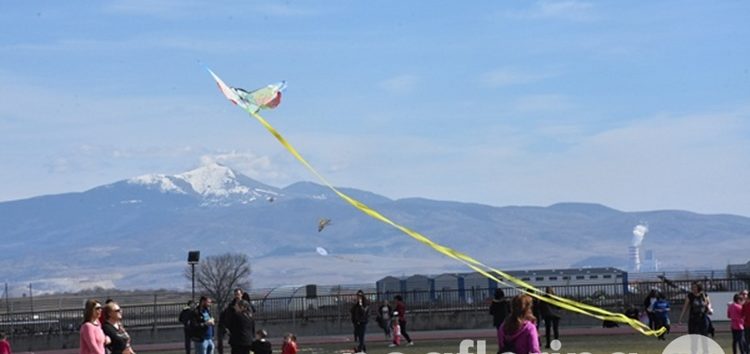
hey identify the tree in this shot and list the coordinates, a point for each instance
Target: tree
(219, 275)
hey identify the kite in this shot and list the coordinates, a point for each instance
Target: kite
(269, 98)
(324, 252)
(322, 223)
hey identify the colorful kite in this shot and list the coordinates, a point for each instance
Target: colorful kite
(267, 97)
(270, 96)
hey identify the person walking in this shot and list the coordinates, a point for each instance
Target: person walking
(499, 308)
(697, 304)
(185, 315)
(401, 309)
(518, 333)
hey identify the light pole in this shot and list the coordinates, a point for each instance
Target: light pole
(193, 258)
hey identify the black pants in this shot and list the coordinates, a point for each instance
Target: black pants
(402, 324)
(188, 342)
(554, 323)
(359, 333)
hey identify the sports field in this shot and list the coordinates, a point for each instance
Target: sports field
(599, 344)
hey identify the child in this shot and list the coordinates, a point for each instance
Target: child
(395, 331)
(260, 345)
(660, 311)
(290, 344)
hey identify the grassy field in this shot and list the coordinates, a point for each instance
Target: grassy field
(609, 344)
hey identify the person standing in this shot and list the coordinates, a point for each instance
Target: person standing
(185, 315)
(113, 328)
(290, 344)
(551, 315)
(661, 314)
(697, 304)
(241, 328)
(499, 308)
(401, 309)
(518, 333)
(737, 324)
(92, 339)
(746, 316)
(202, 327)
(4, 344)
(360, 312)
(384, 318)
(225, 317)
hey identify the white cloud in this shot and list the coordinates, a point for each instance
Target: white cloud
(400, 85)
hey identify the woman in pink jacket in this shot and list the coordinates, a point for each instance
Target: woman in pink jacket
(93, 339)
(734, 312)
(518, 332)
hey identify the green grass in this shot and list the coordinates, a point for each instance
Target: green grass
(609, 344)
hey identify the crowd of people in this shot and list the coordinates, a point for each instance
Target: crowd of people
(516, 321)
(235, 321)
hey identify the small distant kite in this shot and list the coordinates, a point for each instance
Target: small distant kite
(270, 199)
(322, 223)
(324, 252)
(267, 97)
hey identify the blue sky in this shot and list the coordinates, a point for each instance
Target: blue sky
(635, 105)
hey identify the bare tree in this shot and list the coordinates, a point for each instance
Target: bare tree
(219, 275)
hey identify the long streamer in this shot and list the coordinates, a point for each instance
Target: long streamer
(489, 272)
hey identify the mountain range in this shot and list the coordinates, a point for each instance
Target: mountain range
(136, 233)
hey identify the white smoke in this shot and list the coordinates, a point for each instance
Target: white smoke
(639, 232)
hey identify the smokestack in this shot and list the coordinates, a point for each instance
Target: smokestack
(634, 251)
(634, 257)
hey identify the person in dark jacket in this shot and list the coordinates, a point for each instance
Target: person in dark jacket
(185, 315)
(113, 328)
(401, 309)
(241, 326)
(499, 308)
(551, 316)
(202, 327)
(360, 315)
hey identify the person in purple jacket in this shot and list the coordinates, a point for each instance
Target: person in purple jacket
(518, 332)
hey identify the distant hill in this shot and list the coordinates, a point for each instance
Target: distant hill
(136, 234)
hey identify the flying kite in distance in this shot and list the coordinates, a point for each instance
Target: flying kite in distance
(267, 97)
(322, 223)
(324, 252)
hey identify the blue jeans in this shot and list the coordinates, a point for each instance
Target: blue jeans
(204, 347)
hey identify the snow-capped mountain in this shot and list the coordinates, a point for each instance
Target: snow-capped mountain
(214, 184)
(136, 233)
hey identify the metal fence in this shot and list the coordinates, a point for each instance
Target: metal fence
(336, 306)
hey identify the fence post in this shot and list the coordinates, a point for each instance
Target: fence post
(153, 329)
